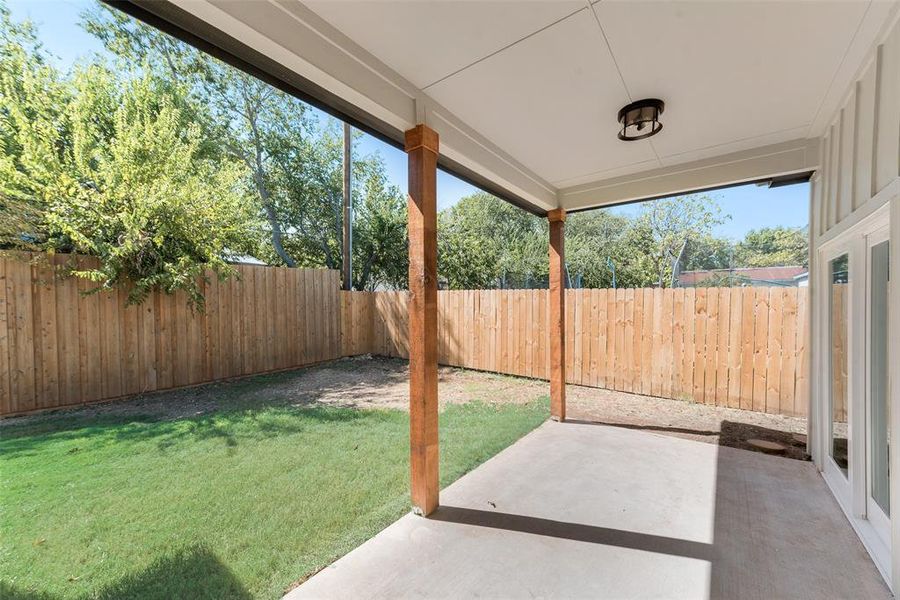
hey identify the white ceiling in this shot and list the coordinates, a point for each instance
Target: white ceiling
(543, 80)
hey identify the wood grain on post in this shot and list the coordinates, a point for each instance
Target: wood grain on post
(422, 152)
(557, 218)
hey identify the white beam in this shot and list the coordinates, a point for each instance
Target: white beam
(787, 158)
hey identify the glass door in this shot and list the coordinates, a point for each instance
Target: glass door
(854, 309)
(838, 357)
(877, 395)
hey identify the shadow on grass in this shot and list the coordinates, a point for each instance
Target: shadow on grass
(256, 406)
(194, 572)
(231, 427)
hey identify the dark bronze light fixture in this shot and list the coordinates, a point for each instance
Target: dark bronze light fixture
(641, 119)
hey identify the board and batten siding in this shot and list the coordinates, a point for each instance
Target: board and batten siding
(858, 178)
(859, 173)
(861, 146)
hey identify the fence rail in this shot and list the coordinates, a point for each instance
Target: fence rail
(59, 347)
(736, 347)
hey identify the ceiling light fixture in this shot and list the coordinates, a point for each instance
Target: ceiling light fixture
(641, 119)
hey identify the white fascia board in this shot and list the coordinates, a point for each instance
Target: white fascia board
(797, 156)
(297, 38)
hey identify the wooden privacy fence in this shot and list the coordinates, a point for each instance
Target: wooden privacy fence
(59, 347)
(737, 347)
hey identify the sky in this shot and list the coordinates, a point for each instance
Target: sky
(750, 207)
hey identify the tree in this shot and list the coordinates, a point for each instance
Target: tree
(33, 129)
(481, 239)
(597, 243)
(708, 252)
(118, 169)
(774, 246)
(293, 159)
(249, 117)
(665, 226)
(381, 248)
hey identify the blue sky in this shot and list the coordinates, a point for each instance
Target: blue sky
(750, 207)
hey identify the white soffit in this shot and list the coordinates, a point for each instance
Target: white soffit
(455, 34)
(734, 75)
(526, 92)
(553, 97)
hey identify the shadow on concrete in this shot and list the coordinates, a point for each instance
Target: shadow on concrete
(194, 572)
(574, 531)
(640, 427)
(731, 434)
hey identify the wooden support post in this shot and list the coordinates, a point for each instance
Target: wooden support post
(422, 152)
(557, 218)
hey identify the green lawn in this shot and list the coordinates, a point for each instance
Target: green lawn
(236, 503)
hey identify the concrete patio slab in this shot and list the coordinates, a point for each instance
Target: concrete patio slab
(591, 511)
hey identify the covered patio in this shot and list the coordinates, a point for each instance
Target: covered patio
(521, 99)
(576, 510)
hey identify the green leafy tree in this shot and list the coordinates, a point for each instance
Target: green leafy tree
(307, 180)
(293, 161)
(381, 247)
(598, 242)
(482, 239)
(707, 252)
(663, 229)
(773, 247)
(250, 118)
(118, 169)
(34, 133)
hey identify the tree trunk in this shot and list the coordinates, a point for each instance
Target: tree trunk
(366, 272)
(263, 191)
(274, 225)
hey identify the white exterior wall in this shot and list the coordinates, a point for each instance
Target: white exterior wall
(861, 147)
(859, 173)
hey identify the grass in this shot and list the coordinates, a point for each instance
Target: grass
(240, 502)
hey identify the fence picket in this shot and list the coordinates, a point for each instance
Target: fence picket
(60, 346)
(690, 343)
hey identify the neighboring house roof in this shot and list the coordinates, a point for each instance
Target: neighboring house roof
(243, 259)
(751, 273)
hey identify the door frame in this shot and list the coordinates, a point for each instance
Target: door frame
(852, 492)
(841, 486)
(880, 520)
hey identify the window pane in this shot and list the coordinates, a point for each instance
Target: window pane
(878, 381)
(840, 279)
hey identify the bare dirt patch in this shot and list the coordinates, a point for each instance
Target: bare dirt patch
(367, 382)
(360, 382)
(377, 382)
